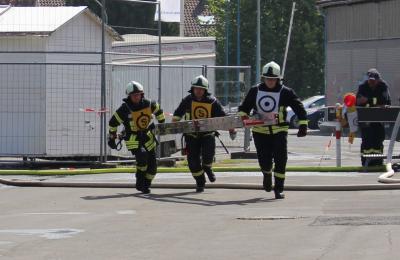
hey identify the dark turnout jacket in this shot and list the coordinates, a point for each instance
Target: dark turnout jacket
(287, 98)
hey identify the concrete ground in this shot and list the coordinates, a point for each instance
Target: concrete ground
(67, 223)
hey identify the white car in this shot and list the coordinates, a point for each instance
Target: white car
(310, 104)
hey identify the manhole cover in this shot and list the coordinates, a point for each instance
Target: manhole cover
(356, 221)
(270, 218)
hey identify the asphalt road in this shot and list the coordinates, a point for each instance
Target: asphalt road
(67, 223)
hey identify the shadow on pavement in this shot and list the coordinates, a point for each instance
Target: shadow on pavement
(182, 198)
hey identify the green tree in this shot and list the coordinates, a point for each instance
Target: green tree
(304, 70)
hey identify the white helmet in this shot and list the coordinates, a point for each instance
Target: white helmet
(133, 87)
(200, 82)
(271, 70)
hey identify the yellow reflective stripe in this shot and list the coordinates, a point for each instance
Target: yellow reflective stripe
(151, 143)
(279, 175)
(157, 108)
(150, 135)
(132, 143)
(148, 143)
(149, 176)
(369, 151)
(266, 172)
(176, 118)
(151, 147)
(303, 122)
(199, 173)
(374, 101)
(160, 117)
(133, 127)
(212, 133)
(261, 130)
(112, 129)
(141, 168)
(266, 130)
(120, 121)
(241, 113)
(278, 129)
(187, 116)
(207, 165)
(280, 115)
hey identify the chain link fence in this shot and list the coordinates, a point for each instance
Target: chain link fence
(50, 70)
(60, 83)
(175, 86)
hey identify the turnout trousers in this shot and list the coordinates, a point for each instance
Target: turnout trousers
(200, 155)
(372, 136)
(272, 148)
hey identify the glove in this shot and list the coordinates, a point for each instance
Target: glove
(111, 141)
(302, 131)
(232, 134)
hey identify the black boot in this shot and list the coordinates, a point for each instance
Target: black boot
(210, 174)
(146, 186)
(279, 195)
(267, 182)
(200, 183)
(278, 188)
(139, 181)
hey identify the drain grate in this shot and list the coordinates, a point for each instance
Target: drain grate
(270, 218)
(356, 221)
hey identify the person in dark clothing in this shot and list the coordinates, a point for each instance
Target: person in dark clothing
(200, 147)
(373, 92)
(136, 114)
(269, 101)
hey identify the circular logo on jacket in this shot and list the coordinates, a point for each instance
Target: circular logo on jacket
(267, 104)
(200, 112)
(143, 121)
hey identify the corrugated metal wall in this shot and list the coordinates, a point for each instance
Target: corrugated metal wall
(22, 97)
(360, 37)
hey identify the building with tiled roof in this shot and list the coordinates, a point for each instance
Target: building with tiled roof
(33, 2)
(198, 18)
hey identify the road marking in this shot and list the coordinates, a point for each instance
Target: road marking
(126, 212)
(56, 213)
(270, 218)
(44, 233)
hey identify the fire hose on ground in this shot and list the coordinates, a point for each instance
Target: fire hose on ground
(242, 186)
(387, 176)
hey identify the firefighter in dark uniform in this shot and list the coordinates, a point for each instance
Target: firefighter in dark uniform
(373, 92)
(136, 114)
(269, 101)
(200, 147)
